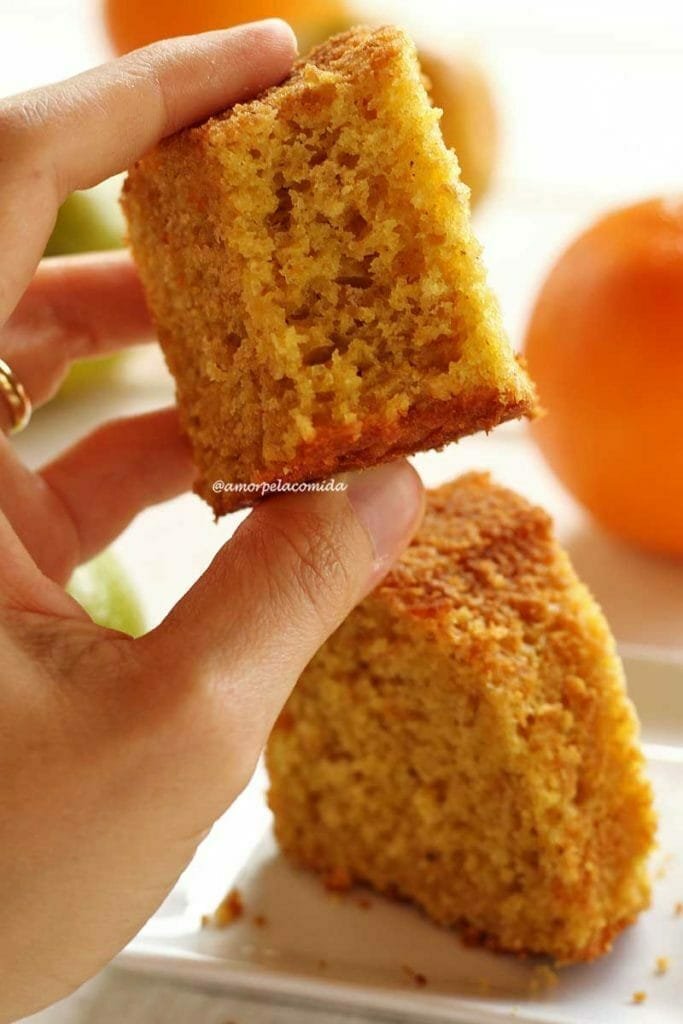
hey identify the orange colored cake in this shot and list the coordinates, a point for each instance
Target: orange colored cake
(465, 740)
(317, 289)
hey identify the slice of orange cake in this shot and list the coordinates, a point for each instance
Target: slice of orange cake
(465, 740)
(317, 289)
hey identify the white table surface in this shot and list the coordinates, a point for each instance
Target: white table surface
(590, 98)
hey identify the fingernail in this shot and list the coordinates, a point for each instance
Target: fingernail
(389, 502)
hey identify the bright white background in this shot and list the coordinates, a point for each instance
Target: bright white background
(590, 95)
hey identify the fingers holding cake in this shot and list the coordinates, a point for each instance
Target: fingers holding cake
(80, 502)
(99, 122)
(236, 643)
(75, 307)
(124, 466)
(74, 134)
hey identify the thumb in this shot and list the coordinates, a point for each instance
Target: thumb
(274, 593)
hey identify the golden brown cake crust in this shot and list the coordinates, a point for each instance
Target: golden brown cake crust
(428, 426)
(464, 740)
(358, 51)
(482, 548)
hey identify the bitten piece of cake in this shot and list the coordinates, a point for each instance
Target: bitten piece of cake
(310, 265)
(464, 740)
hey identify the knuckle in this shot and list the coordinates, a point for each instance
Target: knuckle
(24, 122)
(20, 119)
(14, 134)
(72, 653)
(194, 711)
(320, 563)
(148, 68)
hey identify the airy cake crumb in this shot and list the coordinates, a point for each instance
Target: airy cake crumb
(229, 910)
(543, 978)
(465, 741)
(662, 964)
(418, 979)
(663, 868)
(338, 879)
(310, 265)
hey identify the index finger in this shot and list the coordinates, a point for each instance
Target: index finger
(74, 134)
(75, 307)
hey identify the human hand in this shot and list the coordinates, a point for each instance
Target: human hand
(116, 755)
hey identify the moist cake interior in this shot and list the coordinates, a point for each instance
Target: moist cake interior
(326, 268)
(464, 740)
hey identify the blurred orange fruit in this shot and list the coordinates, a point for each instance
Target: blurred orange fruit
(461, 88)
(132, 24)
(605, 347)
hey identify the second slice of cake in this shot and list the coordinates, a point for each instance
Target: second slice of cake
(465, 740)
(310, 265)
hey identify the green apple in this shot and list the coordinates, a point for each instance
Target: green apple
(103, 588)
(91, 373)
(87, 221)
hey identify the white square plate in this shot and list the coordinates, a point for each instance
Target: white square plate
(341, 952)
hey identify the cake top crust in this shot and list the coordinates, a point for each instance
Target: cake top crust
(360, 48)
(348, 57)
(485, 563)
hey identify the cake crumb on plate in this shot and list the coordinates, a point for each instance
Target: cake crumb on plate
(417, 977)
(229, 910)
